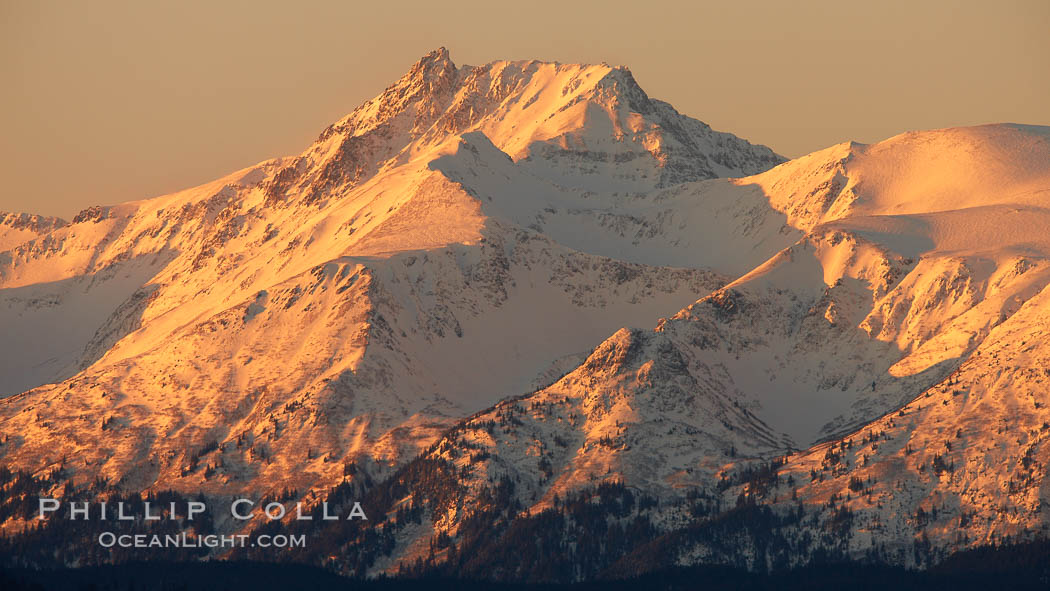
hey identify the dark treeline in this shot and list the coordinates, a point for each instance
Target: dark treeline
(604, 534)
(953, 575)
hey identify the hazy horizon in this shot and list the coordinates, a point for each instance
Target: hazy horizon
(115, 101)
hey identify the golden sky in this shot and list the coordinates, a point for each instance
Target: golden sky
(107, 101)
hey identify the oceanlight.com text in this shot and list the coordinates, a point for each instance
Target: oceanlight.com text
(111, 539)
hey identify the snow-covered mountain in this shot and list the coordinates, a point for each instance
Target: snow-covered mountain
(536, 280)
(353, 301)
(899, 342)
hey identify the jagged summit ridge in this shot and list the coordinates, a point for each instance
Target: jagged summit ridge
(593, 115)
(16, 228)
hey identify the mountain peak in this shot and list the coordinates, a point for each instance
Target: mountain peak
(439, 54)
(596, 119)
(435, 66)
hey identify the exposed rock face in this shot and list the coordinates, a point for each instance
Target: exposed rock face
(16, 228)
